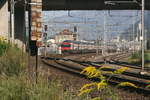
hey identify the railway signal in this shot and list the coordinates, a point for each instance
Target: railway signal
(75, 29)
(45, 27)
(45, 35)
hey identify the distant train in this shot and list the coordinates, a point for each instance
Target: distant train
(70, 46)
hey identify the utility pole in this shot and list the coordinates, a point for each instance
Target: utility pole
(137, 34)
(75, 31)
(45, 40)
(12, 21)
(143, 36)
(133, 22)
(104, 33)
(97, 38)
(97, 44)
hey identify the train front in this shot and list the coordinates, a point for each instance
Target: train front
(65, 47)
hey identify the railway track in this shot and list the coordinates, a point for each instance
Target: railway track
(75, 67)
(113, 62)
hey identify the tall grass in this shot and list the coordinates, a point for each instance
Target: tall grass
(147, 57)
(136, 57)
(3, 47)
(21, 88)
(12, 61)
(15, 84)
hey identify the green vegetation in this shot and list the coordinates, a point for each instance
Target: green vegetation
(147, 56)
(15, 83)
(3, 47)
(21, 88)
(135, 58)
(12, 63)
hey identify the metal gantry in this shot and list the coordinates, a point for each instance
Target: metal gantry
(142, 37)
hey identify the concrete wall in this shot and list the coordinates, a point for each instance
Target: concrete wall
(4, 17)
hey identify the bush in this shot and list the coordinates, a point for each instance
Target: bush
(12, 61)
(136, 57)
(3, 47)
(147, 57)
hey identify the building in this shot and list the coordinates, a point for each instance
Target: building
(4, 19)
(65, 35)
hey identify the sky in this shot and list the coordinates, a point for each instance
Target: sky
(90, 24)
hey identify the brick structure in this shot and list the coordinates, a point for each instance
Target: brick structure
(36, 25)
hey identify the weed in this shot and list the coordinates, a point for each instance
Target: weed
(15, 84)
(102, 87)
(12, 63)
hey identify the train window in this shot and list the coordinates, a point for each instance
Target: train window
(65, 45)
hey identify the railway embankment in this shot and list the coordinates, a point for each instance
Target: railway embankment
(75, 64)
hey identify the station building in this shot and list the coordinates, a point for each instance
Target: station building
(66, 34)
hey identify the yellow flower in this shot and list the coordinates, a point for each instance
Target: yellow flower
(2, 38)
(89, 71)
(101, 84)
(127, 84)
(148, 81)
(96, 98)
(87, 85)
(120, 70)
(148, 86)
(96, 74)
(85, 91)
(102, 77)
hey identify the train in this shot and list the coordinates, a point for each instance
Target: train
(72, 47)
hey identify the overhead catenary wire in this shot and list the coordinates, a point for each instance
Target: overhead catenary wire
(87, 21)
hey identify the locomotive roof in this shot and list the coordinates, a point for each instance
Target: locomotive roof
(77, 42)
